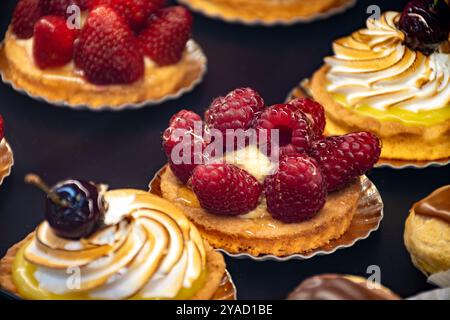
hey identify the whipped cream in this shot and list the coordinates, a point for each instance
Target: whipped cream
(372, 67)
(143, 251)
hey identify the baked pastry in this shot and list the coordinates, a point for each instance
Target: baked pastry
(393, 79)
(267, 11)
(340, 287)
(119, 244)
(115, 56)
(280, 202)
(6, 155)
(427, 232)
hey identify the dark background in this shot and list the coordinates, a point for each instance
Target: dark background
(123, 149)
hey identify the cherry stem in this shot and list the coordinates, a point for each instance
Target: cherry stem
(36, 181)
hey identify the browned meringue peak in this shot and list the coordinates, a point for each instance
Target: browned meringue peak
(372, 67)
(149, 249)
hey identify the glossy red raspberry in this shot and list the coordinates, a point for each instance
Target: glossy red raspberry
(293, 128)
(225, 189)
(166, 34)
(57, 7)
(53, 42)
(237, 110)
(106, 50)
(25, 15)
(343, 158)
(315, 112)
(184, 119)
(135, 12)
(297, 191)
(2, 128)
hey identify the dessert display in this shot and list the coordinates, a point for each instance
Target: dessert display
(427, 232)
(6, 155)
(340, 287)
(268, 12)
(293, 197)
(392, 79)
(117, 54)
(117, 244)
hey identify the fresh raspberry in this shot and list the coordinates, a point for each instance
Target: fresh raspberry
(183, 165)
(237, 110)
(297, 190)
(106, 50)
(184, 119)
(165, 37)
(53, 42)
(343, 158)
(135, 12)
(293, 125)
(2, 128)
(25, 15)
(224, 189)
(315, 112)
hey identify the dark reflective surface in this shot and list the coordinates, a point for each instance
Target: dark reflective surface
(123, 149)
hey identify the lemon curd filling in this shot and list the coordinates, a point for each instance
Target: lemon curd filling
(28, 287)
(421, 118)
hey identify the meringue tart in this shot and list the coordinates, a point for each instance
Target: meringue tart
(376, 82)
(145, 249)
(266, 11)
(6, 154)
(100, 75)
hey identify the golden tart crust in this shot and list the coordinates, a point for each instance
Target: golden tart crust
(215, 266)
(65, 86)
(400, 141)
(268, 11)
(265, 235)
(6, 160)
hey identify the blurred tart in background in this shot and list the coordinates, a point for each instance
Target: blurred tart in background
(6, 155)
(105, 54)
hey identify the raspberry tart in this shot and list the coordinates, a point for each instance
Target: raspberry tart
(101, 54)
(111, 245)
(6, 155)
(268, 12)
(393, 79)
(256, 199)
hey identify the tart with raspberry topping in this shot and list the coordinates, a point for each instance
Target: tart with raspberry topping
(392, 78)
(259, 196)
(6, 155)
(122, 244)
(101, 54)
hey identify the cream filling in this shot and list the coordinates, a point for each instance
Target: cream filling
(373, 68)
(141, 251)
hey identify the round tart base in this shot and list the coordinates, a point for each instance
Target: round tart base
(6, 160)
(267, 236)
(401, 142)
(218, 284)
(268, 12)
(63, 87)
(427, 241)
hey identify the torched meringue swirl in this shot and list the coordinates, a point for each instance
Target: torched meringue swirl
(373, 68)
(145, 251)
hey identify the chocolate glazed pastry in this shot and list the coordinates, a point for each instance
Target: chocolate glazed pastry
(338, 287)
(436, 205)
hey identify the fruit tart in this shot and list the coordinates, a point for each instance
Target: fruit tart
(117, 244)
(268, 12)
(6, 155)
(340, 287)
(262, 198)
(427, 233)
(393, 79)
(101, 53)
